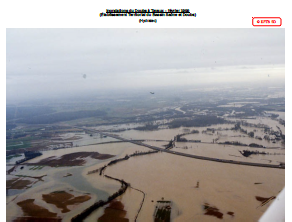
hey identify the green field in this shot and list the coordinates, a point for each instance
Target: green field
(17, 144)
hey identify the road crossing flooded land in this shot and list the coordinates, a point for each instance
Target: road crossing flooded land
(191, 184)
(229, 187)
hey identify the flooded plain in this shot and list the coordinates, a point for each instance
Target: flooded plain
(229, 152)
(71, 180)
(195, 189)
(231, 188)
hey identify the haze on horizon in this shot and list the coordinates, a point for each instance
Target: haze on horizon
(58, 62)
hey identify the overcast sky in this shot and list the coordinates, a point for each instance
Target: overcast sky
(42, 62)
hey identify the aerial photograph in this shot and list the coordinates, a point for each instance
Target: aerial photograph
(126, 124)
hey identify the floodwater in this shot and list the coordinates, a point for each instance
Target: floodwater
(229, 152)
(119, 127)
(89, 140)
(228, 187)
(179, 109)
(220, 134)
(229, 135)
(281, 114)
(231, 188)
(263, 120)
(14, 159)
(231, 105)
(131, 200)
(97, 186)
(164, 134)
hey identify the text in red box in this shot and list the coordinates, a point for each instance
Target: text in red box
(266, 21)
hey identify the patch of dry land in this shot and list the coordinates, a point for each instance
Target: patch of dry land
(31, 209)
(72, 159)
(198, 190)
(62, 199)
(18, 183)
(22, 182)
(64, 191)
(114, 212)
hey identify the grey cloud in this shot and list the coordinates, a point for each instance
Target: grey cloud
(40, 58)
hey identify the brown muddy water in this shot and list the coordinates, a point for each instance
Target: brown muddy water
(229, 152)
(164, 134)
(23, 184)
(262, 120)
(231, 188)
(188, 183)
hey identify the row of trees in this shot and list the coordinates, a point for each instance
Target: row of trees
(95, 206)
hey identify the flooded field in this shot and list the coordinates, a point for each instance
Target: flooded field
(164, 134)
(281, 114)
(126, 125)
(31, 183)
(119, 126)
(229, 135)
(91, 139)
(262, 120)
(131, 201)
(64, 182)
(230, 188)
(229, 152)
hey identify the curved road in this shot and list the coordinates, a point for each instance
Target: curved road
(185, 154)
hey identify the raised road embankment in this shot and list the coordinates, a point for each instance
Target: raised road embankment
(137, 142)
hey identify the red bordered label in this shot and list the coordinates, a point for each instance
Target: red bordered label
(266, 21)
